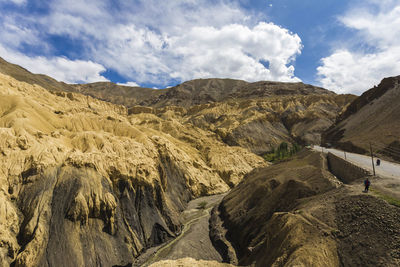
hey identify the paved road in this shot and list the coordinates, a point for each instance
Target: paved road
(386, 169)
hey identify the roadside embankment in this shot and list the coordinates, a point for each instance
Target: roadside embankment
(344, 170)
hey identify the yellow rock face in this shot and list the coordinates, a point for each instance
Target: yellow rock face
(48, 140)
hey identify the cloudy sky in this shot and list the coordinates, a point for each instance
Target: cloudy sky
(347, 46)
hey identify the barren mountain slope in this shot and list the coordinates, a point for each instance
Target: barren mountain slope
(82, 183)
(296, 213)
(262, 124)
(189, 262)
(23, 75)
(196, 92)
(257, 116)
(117, 94)
(371, 118)
(257, 124)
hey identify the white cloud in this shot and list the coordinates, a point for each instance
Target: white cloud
(17, 2)
(14, 35)
(158, 42)
(235, 51)
(349, 72)
(132, 84)
(356, 70)
(59, 68)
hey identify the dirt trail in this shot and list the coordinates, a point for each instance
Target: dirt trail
(194, 241)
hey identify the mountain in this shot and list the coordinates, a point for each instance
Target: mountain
(83, 179)
(373, 118)
(261, 124)
(195, 92)
(117, 94)
(88, 182)
(257, 116)
(24, 75)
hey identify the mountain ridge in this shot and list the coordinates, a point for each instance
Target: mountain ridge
(371, 119)
(186, 94)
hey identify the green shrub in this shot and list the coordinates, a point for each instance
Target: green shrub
(282, 152)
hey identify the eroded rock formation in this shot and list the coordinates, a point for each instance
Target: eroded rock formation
(83, 179)
(84, 182)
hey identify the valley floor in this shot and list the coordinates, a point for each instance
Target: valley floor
(194, 241)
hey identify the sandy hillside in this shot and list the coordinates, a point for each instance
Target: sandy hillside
(81, 178)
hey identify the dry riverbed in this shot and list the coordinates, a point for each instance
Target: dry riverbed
(194, 241)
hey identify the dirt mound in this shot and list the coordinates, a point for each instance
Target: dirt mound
(369, 231)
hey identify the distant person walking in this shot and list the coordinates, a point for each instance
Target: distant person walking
(367, 183)
(378, 162)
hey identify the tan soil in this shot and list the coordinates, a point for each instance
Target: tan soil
(297, 214)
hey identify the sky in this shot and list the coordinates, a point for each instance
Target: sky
(346, 46)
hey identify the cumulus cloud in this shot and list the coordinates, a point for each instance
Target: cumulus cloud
(59, 68)
(355, 69)
(236, 51)
(350, 72)
(160, 42)
(132, 84)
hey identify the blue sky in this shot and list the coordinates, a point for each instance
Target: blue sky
(344, 45)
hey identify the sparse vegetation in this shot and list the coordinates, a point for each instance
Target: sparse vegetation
(282, 152)
(389, 199)
(202, 205)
